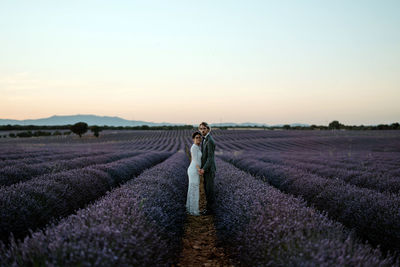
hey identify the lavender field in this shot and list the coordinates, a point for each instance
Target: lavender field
(284, 198)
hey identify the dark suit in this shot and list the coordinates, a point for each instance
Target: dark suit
(208, 165)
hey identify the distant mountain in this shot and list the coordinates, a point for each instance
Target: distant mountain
(234, 124)
(292, 125)
(89, 119)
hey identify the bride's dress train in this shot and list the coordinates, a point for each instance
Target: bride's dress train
(193, 195)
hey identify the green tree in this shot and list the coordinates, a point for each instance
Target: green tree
(395, 126)
(383, 127)
(95, 130)
(25, 134)
(79, 128)
(335, 125)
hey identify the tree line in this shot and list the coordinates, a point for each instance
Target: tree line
(334, 125)
(10, 127)
(81, 128)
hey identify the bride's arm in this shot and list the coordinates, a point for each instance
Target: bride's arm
(195, 157)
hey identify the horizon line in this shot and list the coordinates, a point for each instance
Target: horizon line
(176, 123)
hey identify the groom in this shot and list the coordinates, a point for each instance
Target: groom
(208, 166)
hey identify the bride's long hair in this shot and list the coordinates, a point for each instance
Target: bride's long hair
(195, 134)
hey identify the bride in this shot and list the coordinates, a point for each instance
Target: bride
(192, 201)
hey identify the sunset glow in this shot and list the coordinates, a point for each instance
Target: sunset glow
(189, 61)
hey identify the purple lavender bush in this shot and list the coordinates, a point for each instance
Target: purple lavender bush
(373, 215)
(261, 226)
(376, 178)
(23, 172)
(34, 203)
(137, 224)
(57, 155)
(11, 153)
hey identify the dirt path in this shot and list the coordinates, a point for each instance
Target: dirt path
(199, 241)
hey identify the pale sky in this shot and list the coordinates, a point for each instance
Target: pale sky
(189, 61)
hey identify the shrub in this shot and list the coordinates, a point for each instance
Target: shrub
(79, 128)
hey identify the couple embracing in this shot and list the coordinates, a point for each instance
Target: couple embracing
(202, 164)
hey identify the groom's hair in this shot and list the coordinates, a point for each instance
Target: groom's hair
(205, 124)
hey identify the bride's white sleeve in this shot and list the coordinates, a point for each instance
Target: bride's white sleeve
(195, 155)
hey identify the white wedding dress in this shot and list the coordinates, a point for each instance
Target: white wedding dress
(193, 195)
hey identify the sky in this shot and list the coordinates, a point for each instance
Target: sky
(308, 61)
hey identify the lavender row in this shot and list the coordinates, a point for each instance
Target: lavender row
(352, 160)
(9, 153)
(26, 157)
(49, 158)
(311, 141)
(34, 203)
(379, 181)
(373, 215)
(23, 172)
(137, 224)
(372, 162)
(263, 227)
